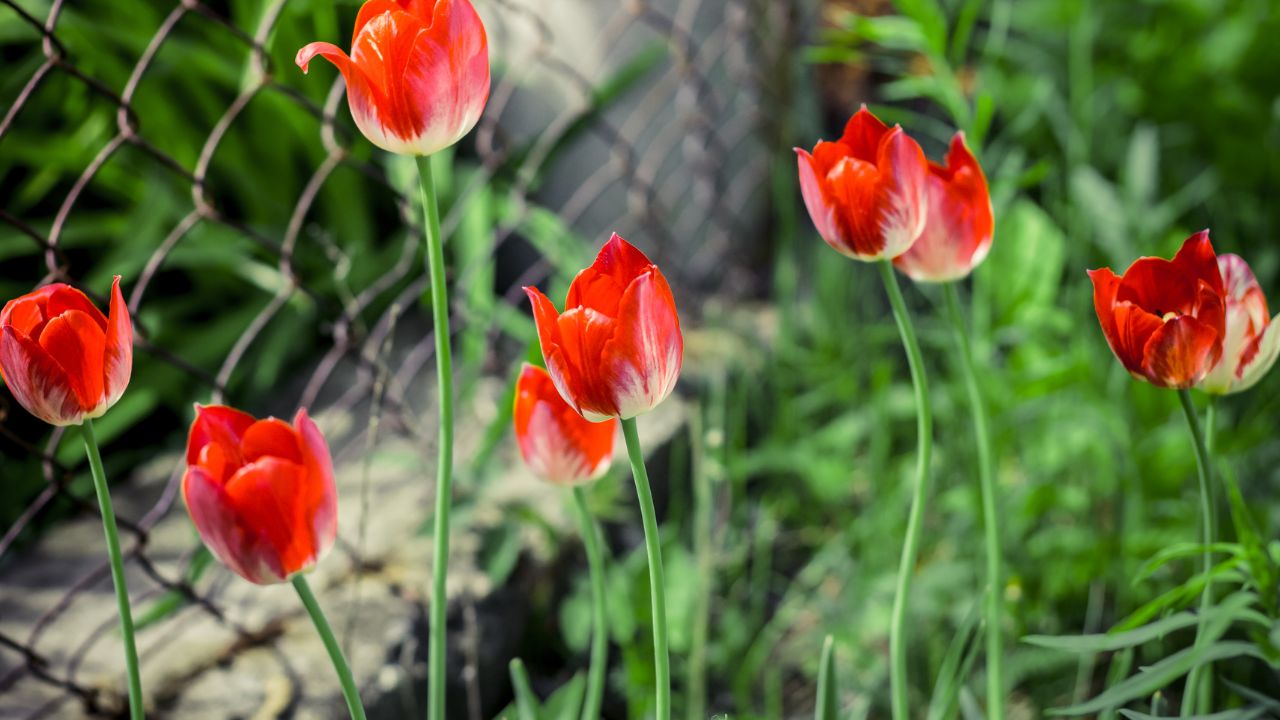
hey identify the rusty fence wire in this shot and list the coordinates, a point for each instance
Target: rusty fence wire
(677, 158)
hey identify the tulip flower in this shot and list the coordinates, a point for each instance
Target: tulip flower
(559, 445)
(867, 191)
(260, 492)
(616, 350)
(418, 74)
(1249, 348)
(958, 225)
(63, 360)
(1165, 320)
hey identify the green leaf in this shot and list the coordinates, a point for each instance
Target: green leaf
(827, 695)
(1180, 550)
(526, 701)
(1249, 713)
(566, 702)
(956, 664)
(1160, 675)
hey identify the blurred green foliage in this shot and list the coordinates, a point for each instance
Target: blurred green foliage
(1108, 130)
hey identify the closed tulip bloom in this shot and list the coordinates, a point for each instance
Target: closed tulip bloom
(1165, 320)
(63, 360)
(616, 350)
(1250, 346)
(260, 492)
(958, 225)
(557, 443)
(418, 74)
(866, 192)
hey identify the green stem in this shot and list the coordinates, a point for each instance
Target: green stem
(990, 514)
(444, 468)
(657, 583)
(599, 638)
(1189, 700)
(117, 569)
(349, 690)
(919, 496)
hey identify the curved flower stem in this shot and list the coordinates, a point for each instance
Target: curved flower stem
(657, 583)
(117, 569)
(444, 468)
(349, 691)
(599, 638)
(1189, 698)
(990, 514)
(920, 494)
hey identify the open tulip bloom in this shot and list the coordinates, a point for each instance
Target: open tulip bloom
(418, 73)
(1165, 320)
(615, 352)
(67, 364)
(262, 496)
(866, 192)
(564, 448)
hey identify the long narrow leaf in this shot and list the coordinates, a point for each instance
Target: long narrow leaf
(826, 708)
(1160, 675)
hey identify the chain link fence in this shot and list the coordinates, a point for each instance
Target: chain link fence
(660, 119)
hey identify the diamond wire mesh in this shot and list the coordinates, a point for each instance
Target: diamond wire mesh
(684, 167)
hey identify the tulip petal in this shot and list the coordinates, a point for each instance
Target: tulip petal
(76, 342)
(1197, 260)
(1180, 353)
(65, 298)
(1105, 284)
(323, 503)
(901, 200)
(600, 286)
(959, 225)
(822, 209)
(1134, 329)
(557, 443)
(218, 424)
(117, 362)
(863, 134)
(241, 547)
(271, 497)
(375, 8)
(641, 362)
(584, 335)
(26, 314)
(37, 382)
(1259, 360)
(270, 438)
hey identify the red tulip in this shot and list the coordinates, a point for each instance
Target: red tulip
(260, 492)
(1249, 348)
(555, 441)
(866, 191)
(63, 360)
(418, 73)
(1165, 320)
(958, 227)
(616, 350)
